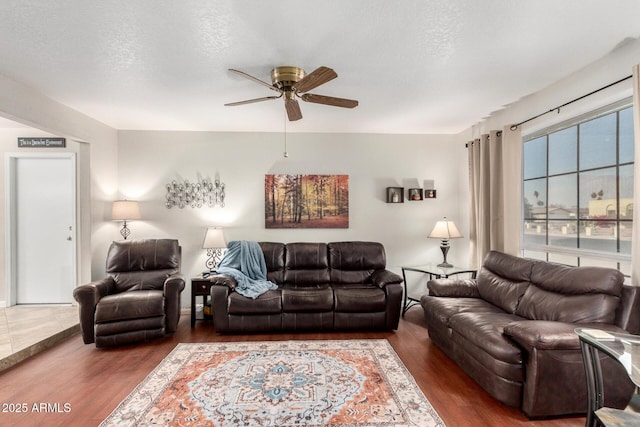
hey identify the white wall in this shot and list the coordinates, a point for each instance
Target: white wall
(613, 67)
(149, 160)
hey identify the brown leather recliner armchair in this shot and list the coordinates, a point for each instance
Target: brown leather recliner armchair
(140, 297)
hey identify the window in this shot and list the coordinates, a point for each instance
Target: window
(578, 191)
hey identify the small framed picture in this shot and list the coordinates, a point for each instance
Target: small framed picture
(429, 194)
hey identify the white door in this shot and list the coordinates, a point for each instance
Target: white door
(43, 217)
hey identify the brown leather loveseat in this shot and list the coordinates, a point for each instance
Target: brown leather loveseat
(512, 330)
(321, 286)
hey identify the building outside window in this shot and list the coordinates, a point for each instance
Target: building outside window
(578, 191)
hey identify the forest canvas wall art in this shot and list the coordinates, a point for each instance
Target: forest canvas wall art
(306, 201)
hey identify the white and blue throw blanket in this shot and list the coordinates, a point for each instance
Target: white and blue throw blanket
(244, 262)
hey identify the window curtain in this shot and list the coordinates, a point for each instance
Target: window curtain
(495, 186)
(635, 236)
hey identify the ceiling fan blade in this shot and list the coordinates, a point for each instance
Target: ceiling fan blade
(317, 77)
(329, 100)
(293, 109)
(250, 77)
(251, 101)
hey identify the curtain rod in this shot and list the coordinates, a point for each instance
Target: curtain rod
(498, 133)
(515, 126)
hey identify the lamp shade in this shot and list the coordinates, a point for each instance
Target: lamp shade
(125, 210)
(214, 239)
(445, 230)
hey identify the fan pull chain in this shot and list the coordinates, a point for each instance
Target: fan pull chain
(285, 136)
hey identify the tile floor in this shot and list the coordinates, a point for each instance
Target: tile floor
(28, 329)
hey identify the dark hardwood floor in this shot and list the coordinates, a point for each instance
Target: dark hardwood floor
(73, 384)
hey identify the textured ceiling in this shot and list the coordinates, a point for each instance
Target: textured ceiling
(416, 66)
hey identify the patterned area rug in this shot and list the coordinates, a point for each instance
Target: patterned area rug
(278, 383)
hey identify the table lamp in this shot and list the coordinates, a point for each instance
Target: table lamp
(125, 210)
(214, 243)
(445, 230)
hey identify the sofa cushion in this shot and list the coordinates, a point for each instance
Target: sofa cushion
(143, 263)
(503, 279)
(307, 299)
(358, 298)
(508, 266)
(485, 331)
(577, 280)
(268, 302)
(438, 310)
(539, 304)
(130, 305)
(461, 288)
(572, 294)
(306, 264)
(140, 280)
(143, 254)
(274, 254)
(354, 262)
(500, 291)
(486, 368)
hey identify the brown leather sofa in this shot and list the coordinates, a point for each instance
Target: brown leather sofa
(512, 330)
(140, 297)
(321, 286)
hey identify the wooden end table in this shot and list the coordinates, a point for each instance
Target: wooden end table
(200, 286)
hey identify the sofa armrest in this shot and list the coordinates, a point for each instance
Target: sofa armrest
(224, 280)
(173, 287)
(458, 288)
(543, 335)
(628, 313)
(220, 290)
(174, 284)
(87, 297)
(89, 294)
(550, 335)
(381, 278)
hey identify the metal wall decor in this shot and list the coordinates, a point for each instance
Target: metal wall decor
(204, 192)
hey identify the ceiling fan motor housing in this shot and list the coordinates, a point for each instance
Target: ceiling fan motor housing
(285, 77)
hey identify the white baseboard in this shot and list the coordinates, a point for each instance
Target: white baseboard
(3, 304)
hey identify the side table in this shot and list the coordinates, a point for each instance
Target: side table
(624, 349)
(434, 272)
(200, 286)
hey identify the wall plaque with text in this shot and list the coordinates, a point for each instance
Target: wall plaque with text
(42, 142)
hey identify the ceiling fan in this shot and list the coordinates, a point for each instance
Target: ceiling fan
(292, 83)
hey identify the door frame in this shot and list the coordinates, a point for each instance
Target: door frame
(11, 217)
